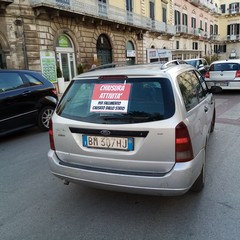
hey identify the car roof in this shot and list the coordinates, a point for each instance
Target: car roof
(19, 70)
(138, 70)
(226, 61)
(192, 59)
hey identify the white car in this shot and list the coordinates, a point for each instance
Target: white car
(224, 73)
(140, 129)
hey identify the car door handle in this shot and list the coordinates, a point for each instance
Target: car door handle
(205, 109)
(26, 93)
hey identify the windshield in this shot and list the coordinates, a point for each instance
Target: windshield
(118, 101)
(192, 62)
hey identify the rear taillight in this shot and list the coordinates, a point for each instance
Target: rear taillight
(54, 91)
(237, 74)
(207, 75)
(50, 131)
(184, 150)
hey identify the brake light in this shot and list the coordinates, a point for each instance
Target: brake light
(207, 75)
(237, 73)
(54, 91)
(50, 131)
(184, 150)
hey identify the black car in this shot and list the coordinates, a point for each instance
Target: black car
(27, 99)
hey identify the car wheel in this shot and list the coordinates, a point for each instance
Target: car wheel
(213, 121)
(199, 183)
(44, 117)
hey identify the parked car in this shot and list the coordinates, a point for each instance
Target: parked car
(224, 73)
(140, 129)
(26, 99)
(200, 63)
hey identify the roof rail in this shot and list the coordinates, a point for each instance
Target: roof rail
(172, 63)
(108, 65)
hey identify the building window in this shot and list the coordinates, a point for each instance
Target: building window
(152, 10)
(130, 53)
(233, 8)
(193, 22)
(206, 28)
(223, 8)
(104, 50)
(164, 14)
(177, 18)
(211, 29)
(177, 44)
(233, 29)
(129, 8)
(102, 7)
(184, 19)
(215, 29)
(195, 45)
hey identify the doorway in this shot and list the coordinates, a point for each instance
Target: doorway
(104, 50)
(66, 58)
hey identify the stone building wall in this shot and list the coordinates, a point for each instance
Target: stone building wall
(28, 34)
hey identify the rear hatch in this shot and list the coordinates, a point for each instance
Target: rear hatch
(223, 72)
(117, 123)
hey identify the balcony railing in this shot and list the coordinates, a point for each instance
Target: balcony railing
(158, 26)
(182, 29)
(171, 29)
(98, 10)
(233, 37)
(207, 5)
(102, 10)
(233, 10)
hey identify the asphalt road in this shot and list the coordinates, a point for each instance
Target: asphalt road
(36, 205)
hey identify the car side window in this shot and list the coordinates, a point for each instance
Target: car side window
(32, 80)
(10, 81)
(191, 89)
(203, 83)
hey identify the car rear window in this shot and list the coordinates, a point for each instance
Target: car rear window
(119, 101)
(224, 67)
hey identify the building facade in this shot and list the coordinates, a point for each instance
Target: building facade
(37, 34)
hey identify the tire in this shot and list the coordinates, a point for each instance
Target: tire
(213, 122)
(44, 117)
(200, 182)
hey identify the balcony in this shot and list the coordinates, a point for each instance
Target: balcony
(171, 29)
(207, 6)
(98, 12)
(194, 31)
(182, 30)
(4, 4)
(158, 26)
(233, 11)
(233, 38)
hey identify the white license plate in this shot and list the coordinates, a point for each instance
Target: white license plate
(222, 84)
(108, 142)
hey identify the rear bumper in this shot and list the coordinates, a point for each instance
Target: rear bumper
(176, 182)
(225, 85)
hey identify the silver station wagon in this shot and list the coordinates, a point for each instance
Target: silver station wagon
(139, 129)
